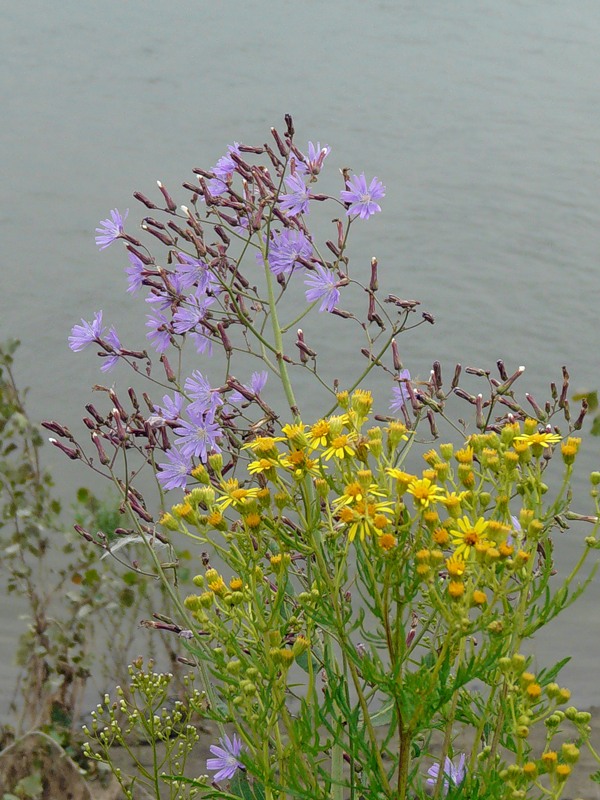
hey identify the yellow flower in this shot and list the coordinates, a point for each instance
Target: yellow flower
(319, 434)
(300, 464)
(403, 479)
(455, 566)
(544, 439)
(468, 536)
(387, 541)
(262, 465)
(295, 433)
(453, 501)
(424, 492)
(233, 493)
(340, 447)
(464, 456)
(264, 445)
(364, 518)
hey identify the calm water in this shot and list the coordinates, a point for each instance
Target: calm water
(481, 118)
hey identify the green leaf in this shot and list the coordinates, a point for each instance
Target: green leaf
(595, 430)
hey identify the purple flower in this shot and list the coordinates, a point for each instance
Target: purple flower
(400, 393)
(453, 775)
(256, 385)
(159, 335)
(314, 163)
(323, 285)
(86, 333)
(206, 399)
(361, 198)
(171, 408)
(111, 229)
(135, 272)
(199, 435)
(192, 272)
(286, 249)
(227, 754)
(202, 342)
(296, 202)
(189, 315)
(174, 474)
(111, 360)
(223, 171)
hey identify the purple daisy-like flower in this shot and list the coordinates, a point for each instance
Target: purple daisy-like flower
(227, 761)
(135, 272)
(171, 408)
(256, 385)
(192, 271)
(296, 202)
(453, 775)
(223, 171)
(173, 475)
(111, 360)
(400, 393)
(313, 164)
(192, 313)
(159, 335)
(86, 333)
(110, 229)
(362, 198)
(202, 342)
(205, 398)
(323, 285)
(286, 249)
(198, 436)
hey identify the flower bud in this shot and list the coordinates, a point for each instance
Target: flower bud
(215, 462)
(595, 478)
(519, 662)
(570, 753)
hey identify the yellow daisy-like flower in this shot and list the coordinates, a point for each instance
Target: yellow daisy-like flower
(365, 518)
(295, 433)
(340, 447)
(299, 463)
(354, 493)
(453, 500)
(403, 479)
(264, 445)
(234, 494)
(543, 439)
(468, 536)
(319, 434)
(455, 566)
(262, 465)
(424, 492)
(387, 541)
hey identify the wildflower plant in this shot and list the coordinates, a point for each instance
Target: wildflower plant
(355, 606)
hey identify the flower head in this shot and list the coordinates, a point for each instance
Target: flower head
(114, 355)
(323, 286)
(400, 393)
(453, 775)
(86, 333)
(227, 754)
(223, 171)
(296, 202)
(362, 198)
(256, 385)
(198, 436)
(173, 475)
(135, 272)
(286, 249)
(314, 162)
(468, 535)
(110, 229)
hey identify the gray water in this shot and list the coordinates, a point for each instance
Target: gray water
(481, 118)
